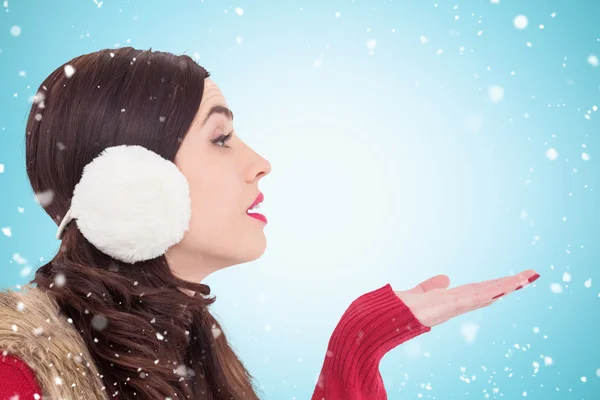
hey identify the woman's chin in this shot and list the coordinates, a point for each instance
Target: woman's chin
(253, 250)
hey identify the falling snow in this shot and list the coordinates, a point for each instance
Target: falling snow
(99, 322)
(216, 332)
(44, 198)
(469, 331)
(522, 130)
(60, 280)
(552, 154)
(520, 22)
(69, 71)
(371, 45)
(496, 93)
(556, 288)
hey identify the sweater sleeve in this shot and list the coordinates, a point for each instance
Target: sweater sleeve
(374, 324)
(17, 380)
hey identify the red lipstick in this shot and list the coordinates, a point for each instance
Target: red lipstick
(259, 199)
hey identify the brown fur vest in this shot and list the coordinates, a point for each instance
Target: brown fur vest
(33, 329)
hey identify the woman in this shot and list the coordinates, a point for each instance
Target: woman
(134, 155)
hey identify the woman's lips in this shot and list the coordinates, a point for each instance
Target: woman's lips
(259, 199)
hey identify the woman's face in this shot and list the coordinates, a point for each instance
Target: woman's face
(223, 179)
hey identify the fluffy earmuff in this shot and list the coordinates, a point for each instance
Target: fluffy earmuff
(131, 204)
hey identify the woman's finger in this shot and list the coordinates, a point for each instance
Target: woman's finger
(479, 295)
(438, 305)
(497, 286)
(511, 284)
(490, 302)
(436, 282)
(504, 282)
(483, 305)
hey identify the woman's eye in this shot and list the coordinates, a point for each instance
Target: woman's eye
(222, 139)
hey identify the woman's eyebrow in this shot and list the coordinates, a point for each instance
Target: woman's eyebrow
(218, 110)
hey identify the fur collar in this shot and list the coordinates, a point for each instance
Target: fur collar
(33, 329)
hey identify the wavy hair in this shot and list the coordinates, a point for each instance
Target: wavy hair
(148, 337)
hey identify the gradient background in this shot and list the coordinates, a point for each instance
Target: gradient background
(393, 160)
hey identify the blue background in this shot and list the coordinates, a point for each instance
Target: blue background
(393, 160)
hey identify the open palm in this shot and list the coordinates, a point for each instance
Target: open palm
(433, 303)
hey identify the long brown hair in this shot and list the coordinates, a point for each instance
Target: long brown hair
(148, 337)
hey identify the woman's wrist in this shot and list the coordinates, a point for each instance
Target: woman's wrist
(373, 324)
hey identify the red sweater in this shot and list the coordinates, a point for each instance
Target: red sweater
(374, 324)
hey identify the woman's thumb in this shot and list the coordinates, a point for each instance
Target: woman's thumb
(436, 282)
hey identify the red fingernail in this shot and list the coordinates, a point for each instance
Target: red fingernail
(520, 287)
(534, 278)
(500, 295)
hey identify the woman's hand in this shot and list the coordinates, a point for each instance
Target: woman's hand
(433, 303)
